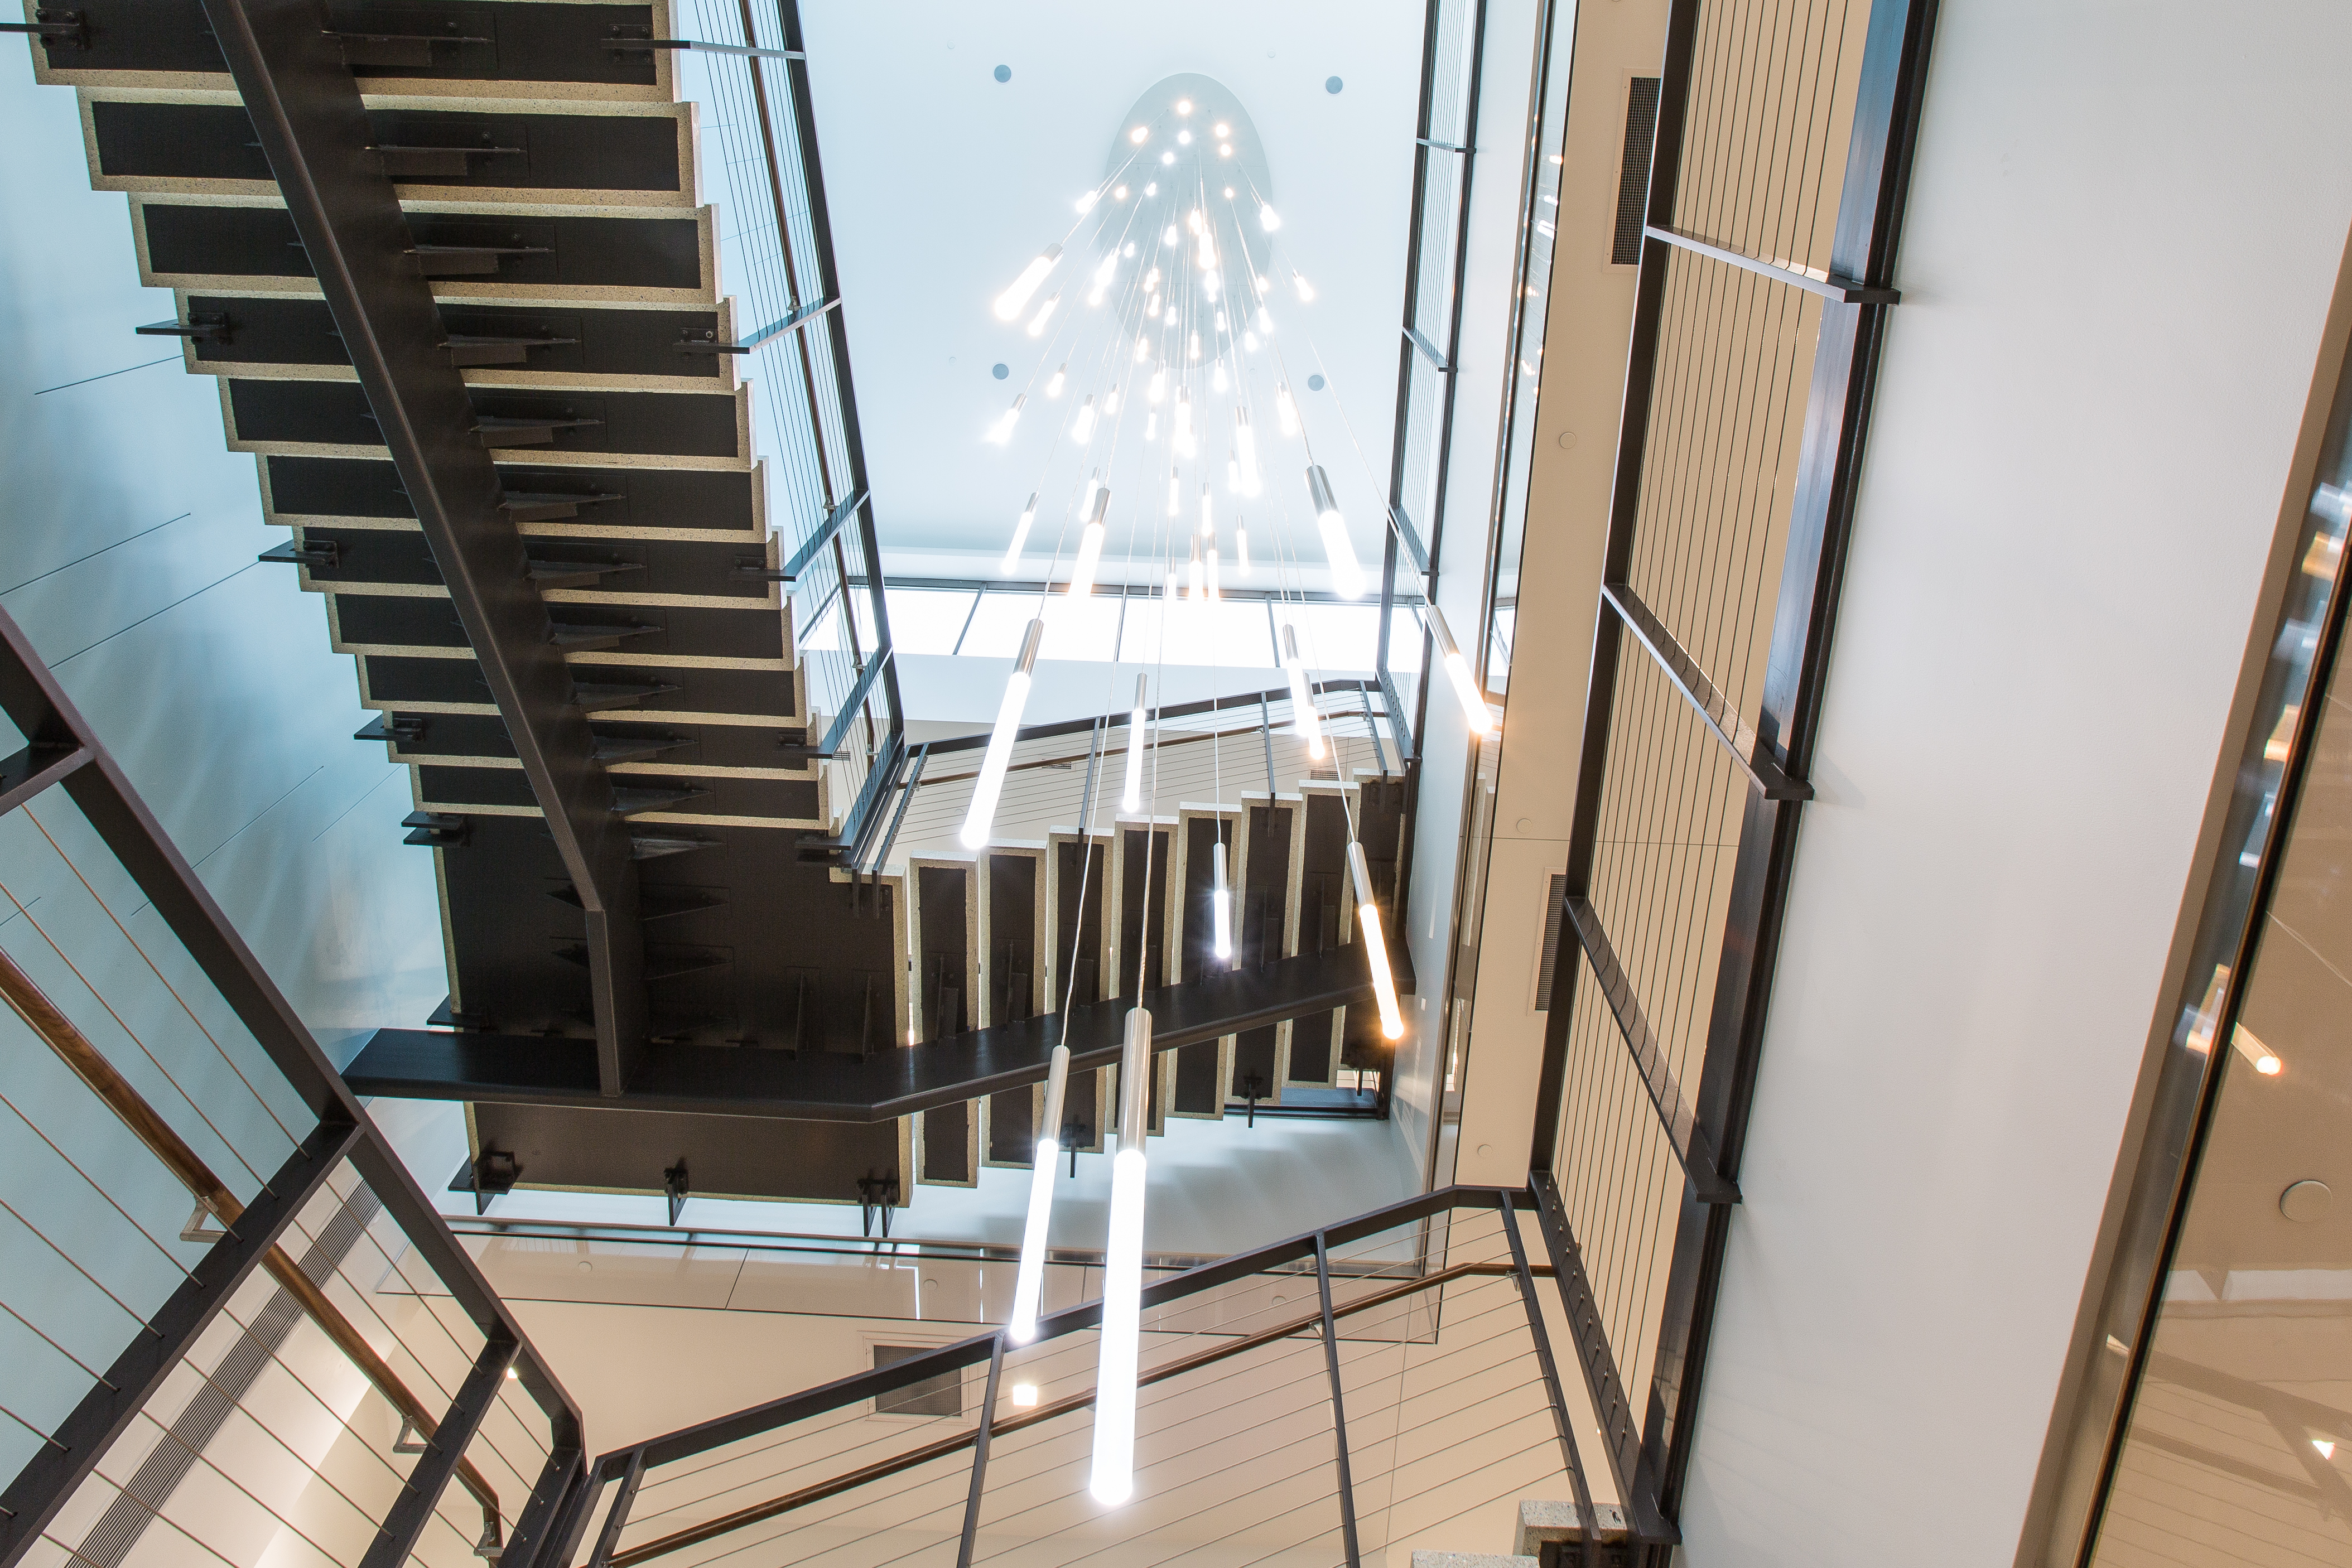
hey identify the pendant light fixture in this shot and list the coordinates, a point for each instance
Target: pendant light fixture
(1220, 899)
(1029, 1282)
(1131, 799)
(1008, 304)
(1375, 941)
(1045, 314)
(1020, 535)
(1285, 409)
(1001, 431)
(1475, 711)
(1061, 377)
(1090, 546)
(1111, 1479)
(1082, 424)
(1304, 717)
(980, 819)
(1347, 576)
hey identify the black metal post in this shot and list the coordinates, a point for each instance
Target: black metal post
(54, 1472)
(1586, 1520)
(1339, 1406)
(979, 1456)
(536, 1530)
(626, 1494)
(421, 1493)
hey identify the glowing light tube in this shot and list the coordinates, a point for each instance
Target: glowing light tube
(1029, 1284)
(1303, 718)
(1060, 378)
(1045, 314)
(1020, 535)
(1131, 797)
(1285, 409)
(1306, 290)
(1220, 903)
(1267, 218)
(982, 817)
(1347, 576)
(1082, 424)
(1009, 303)
(1376, 944)
(1474, 712)
(1090, 544)
(1001, 431)
(1112, 1477)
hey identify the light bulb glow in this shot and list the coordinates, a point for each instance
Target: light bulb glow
(1306, 290)
(1029, 1284)
(1045, 313)
(1112, 1477)
(1304, 717)
(1142, 348)
(1285, 409)
(1082, 575)
(1267, 218)
(1376, 945)
(1020, 535)
(2249, 1046)
(1347, 576)
(1001, 431)
(1110, 400)
(1060, 378)
(1082, 425)
(1474, 712)
(1184, 421)
(1131, 799)
(982, 816)
(1024, 1394)
(1009, 303)
(1220, 903)
(1140, 135)
(1196, 345)
(1087, 202)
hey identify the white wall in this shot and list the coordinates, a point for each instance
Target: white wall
(2125, 226)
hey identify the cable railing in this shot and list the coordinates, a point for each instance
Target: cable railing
(1307, 1402)
(759, 159)
(210, 1258)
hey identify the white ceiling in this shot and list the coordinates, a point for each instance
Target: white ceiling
(943, 182)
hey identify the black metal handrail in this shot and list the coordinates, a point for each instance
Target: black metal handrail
(1283, 1256)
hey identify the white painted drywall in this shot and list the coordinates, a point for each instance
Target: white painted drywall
(2124, 229)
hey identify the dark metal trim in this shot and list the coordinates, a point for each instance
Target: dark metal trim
(822, 536)
(1338, 1405)
(1585, 1518)
(307, 116)
(979, 1456)
(542, 1515)
(1836, 290)
(420, 1494)
(616, 1518)
(1415, 550)
(51, 1477)
(1691, 1143)
(799, 318)
(853, 706)
(1723, 721)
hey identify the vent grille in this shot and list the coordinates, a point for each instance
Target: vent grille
(1633, 180)
(1555, 908)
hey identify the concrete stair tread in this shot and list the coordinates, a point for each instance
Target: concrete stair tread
(1469, 1560)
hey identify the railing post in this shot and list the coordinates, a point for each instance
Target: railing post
(1339, 1407)
(624, 1495)
(1587, 1520)
(421, 1493)
(979, 1456)
(566, 1468)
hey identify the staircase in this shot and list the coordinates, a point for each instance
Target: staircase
(712, 901)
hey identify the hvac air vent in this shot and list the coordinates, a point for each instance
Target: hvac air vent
(1548, 965)
(1633, 180)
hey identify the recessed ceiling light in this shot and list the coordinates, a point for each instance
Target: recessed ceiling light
(1168, 157)
(1225, 149)
(1140, 135)
(1224, 129)
(1228, 193)
(1152, 189)
(1184, 105)
(1183, 139)
(1119, 195)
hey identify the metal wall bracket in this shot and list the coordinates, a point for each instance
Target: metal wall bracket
(396, 729)
(706, 341)
(54, 27)
(435, 830)
(201, 326)
(492, 1175)
(310, 553)
(674, 1188)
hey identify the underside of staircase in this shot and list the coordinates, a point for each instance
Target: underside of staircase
(666, 971)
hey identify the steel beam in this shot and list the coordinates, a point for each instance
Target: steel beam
(420, 1494)
(306, 114)
(817, 1085)
(54, 1472)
